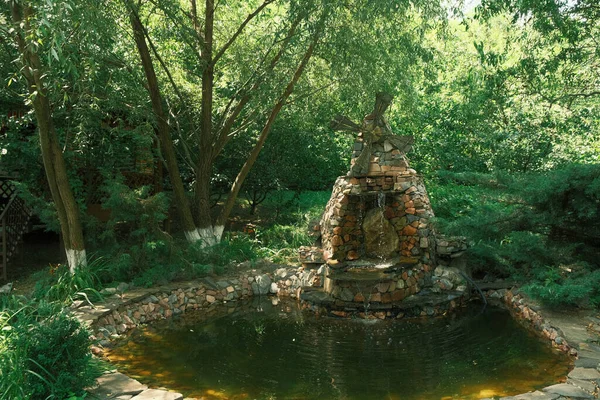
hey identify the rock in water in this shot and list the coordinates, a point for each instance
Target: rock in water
(274, 288)
(381, 239)
(261, 285)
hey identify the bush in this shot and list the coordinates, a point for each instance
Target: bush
(231, 249)
(293, 208)
(135, 248)
(58, 284)
(557, 289)
(529, 227)
(44, 352)
(132, 241)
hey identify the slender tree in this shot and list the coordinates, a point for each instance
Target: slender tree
(163, 130)
(33, 71)
(209, 231)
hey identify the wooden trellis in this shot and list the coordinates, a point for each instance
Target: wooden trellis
(14, 221)
(7, 190)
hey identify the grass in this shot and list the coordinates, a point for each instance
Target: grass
(288, 227)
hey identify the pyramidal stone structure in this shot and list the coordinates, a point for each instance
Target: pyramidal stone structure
(380, 210)
(377, 241)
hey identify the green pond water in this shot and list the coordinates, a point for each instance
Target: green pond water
(265, 351)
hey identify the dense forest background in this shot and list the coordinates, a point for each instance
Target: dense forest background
(182, 125)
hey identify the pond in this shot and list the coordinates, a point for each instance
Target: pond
(264, 351)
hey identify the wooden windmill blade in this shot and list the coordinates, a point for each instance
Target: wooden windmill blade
(402, 143)
(343, 123)
(361, 164)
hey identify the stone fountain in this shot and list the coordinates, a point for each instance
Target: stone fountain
(378, 245)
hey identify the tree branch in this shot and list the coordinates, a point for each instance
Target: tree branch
(224, 136)
(239, 30)
(196, 23)
(240, 178)
(158, 57)
(182, 28)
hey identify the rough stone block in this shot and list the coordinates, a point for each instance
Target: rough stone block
(261, 285)
(584, 373)
(155, 394)
(109, 386)
(568, 390)
(588, 386)
(586, 362)
(537, 395)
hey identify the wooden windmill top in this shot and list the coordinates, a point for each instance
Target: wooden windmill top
(374, 129)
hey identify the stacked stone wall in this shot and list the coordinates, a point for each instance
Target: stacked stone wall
(396, 289)
(406, 207)
(385, 160)
(160, 303)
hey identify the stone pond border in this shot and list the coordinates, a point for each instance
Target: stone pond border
(125, 309)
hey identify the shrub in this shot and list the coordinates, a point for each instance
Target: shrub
(58, 284)
(557, 289)
(529, 226)
(45, 352)
(133, 240)
(232, 249)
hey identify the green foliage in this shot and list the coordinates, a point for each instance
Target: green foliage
(530, 226)
(133, 238)
(135, 214)
(231, 250)
(58, 284)
(292, 215)
(140, 251)
(281, 242)
(45, 352)
(502, 99)
(296, 207)
(297, 157)
(558, 287)
(189, 261)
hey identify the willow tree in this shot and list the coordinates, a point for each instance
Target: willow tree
(26, 34)
(242, 63)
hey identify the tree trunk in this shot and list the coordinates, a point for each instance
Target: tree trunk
(204, 167)
(166, 143)
(52, 156)
(203, 207)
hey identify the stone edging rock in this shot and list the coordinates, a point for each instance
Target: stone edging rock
(124, 311)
